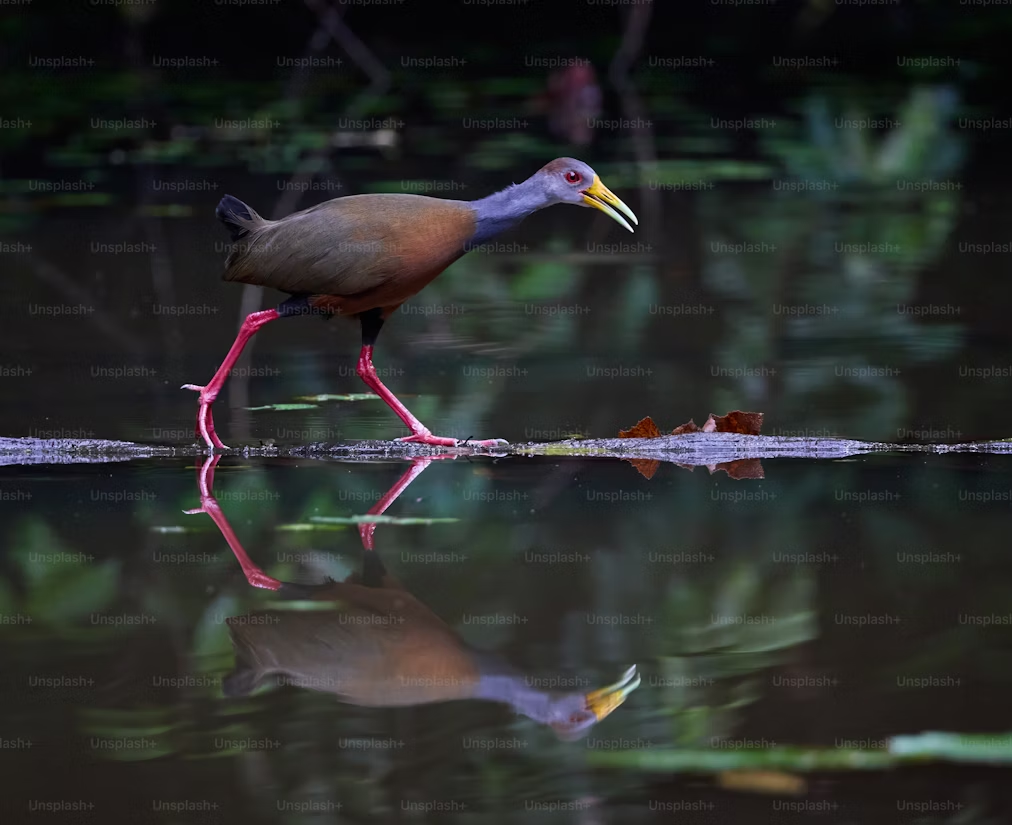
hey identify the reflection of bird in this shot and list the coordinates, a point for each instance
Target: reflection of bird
(372, 643)
(376, 645)
(364, 255)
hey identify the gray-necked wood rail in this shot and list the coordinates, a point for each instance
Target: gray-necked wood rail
(362, 256)
(374, 644)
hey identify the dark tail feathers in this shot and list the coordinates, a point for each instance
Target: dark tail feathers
(238, 218)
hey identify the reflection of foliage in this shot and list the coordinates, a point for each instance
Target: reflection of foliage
(721, 639)
(62, 585)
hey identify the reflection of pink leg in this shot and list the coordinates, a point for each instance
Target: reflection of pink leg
(417, 465)
(420, 434)
(209, 504)
(205, 423)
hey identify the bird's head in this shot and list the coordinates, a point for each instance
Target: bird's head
(567, 180)
(571, 715)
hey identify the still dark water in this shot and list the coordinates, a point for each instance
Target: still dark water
(831, 604)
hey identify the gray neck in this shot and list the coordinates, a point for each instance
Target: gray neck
(513, 691)
(506, 209)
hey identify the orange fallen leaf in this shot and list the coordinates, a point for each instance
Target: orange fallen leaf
(644, 428)
(736, 421)
(740, 468)
(743, 423)
(645, 466)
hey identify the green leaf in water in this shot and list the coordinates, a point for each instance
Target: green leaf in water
(924, 747)
(284, 407)
(990, 748)
(351, 396)
(380, 520)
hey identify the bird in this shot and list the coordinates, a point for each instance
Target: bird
(362, 256)
(372, 643)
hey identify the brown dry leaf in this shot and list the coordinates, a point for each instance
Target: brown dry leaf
(736, 421)
(644, 428)
(741, 468)
(743, 423)
(771, 782)
(646, 466)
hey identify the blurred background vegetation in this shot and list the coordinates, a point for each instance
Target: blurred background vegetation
(695, 323)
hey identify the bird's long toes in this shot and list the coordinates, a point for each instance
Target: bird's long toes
(194, 387)
(490, 442)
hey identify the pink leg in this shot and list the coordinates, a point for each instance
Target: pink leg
(417, 465)
(420, 434)
(209, 504)
(205, 423)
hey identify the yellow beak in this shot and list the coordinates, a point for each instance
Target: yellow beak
(604, 701)
(601, 197)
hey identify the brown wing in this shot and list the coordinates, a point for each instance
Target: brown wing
(373, 250)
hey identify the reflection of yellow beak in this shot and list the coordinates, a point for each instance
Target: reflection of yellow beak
(601, 197)
(604, 701)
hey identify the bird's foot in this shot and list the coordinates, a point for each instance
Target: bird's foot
(205, 422)
(484, 442)
(441, 441)
(429, 438)
(257, 578)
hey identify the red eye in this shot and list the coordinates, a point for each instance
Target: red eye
(573, 177)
